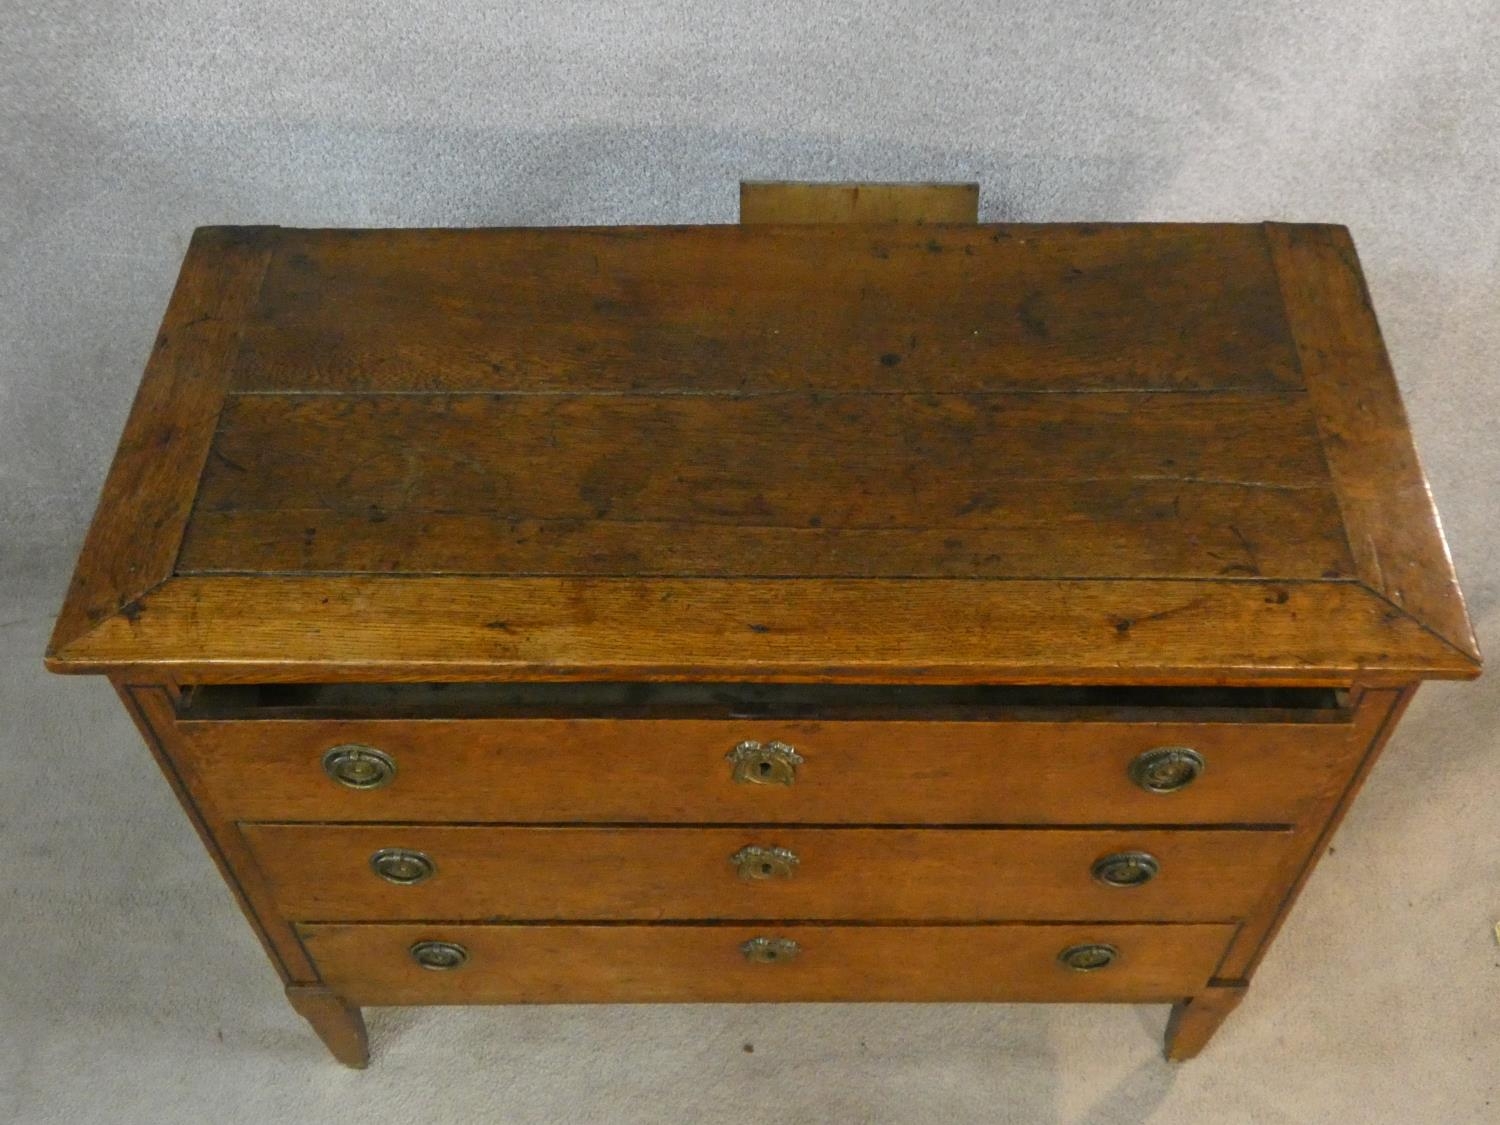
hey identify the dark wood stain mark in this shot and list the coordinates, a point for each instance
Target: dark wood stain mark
(1034, 323)
(224, 459)
(984, 501)
(1248, 547)
(1123, 625)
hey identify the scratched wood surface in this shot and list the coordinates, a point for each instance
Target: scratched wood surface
(1151, 453)
(248, 628)
(800, 484)
(1391, 522)
(684, 310)
(133, 541)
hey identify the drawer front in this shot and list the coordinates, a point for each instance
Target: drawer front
(665, 771)
(326, 873)
(374, 964)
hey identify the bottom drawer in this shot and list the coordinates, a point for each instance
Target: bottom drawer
(376, 963)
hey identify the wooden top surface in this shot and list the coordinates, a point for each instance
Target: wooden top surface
(962, 453)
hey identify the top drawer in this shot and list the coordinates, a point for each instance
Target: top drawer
(1022, 766)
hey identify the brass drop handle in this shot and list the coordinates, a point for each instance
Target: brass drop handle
(756, 864)
(1166, 769)
(402, 866)
(358, 766)
(764, 763)
(439, 956)
(1089, 957)
(1126, 869)
(770, 950)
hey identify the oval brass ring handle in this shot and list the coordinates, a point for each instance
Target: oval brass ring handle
(764, 763)
(439, 956)
(1166, 769)
(754, 862)
(358, 766)
(402, 866)
(770, 950)
(1089, 957)
(1126, 869)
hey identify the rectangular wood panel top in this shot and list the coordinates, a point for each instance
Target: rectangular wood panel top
(737, 309)
(787, 485)
(1133, 453)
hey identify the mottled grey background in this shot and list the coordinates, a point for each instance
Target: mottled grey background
(132, 992)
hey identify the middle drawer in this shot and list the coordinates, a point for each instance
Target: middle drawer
(390, 872)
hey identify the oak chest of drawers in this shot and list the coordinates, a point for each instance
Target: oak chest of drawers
(766, 612)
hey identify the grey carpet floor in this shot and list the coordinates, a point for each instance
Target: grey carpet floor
(130, 990)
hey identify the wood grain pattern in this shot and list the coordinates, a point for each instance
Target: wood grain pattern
(674, 771)
(1392, 524)
(783, 485)
(290, 628)
(770, 308)
(827, 453)
(646, 413)
(322, 873)
(370, 964)
(783, 201)
(133, 540)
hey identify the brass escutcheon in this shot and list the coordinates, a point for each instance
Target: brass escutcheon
(770, 950)
(764, 763)
(756, 863)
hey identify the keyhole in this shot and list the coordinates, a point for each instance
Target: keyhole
(765, 768)
(765, 868)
